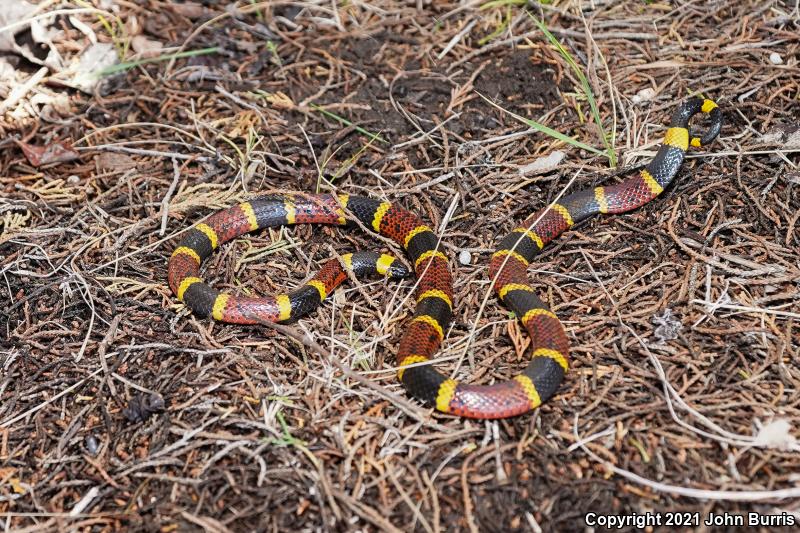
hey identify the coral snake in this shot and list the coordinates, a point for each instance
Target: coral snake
(434, 293)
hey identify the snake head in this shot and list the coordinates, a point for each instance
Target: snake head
(397, 270)
(691, 107)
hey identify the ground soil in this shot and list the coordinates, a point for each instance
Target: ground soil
(119, 409)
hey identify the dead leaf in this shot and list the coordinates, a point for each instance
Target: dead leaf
(5, 477)
(93, 60)
(15, 484)
(17, 16)
(146, 47)
(785, 136)
(11, 14)
(190, 10)
(56, 152)
(543, 164)
(114, 162)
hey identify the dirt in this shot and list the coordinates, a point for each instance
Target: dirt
(120, 410)
(423, 94)
(518, 80)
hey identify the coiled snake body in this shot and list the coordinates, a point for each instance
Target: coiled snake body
(434, 294)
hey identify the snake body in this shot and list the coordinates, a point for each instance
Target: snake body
(266, 212)
(434, 293)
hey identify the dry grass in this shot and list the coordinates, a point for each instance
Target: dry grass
(307, 428)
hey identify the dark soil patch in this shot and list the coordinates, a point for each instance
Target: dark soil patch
(517, 81)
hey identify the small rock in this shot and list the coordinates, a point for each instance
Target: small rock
(92, 446)
(464, 257)
(645, 95)
(775, 58)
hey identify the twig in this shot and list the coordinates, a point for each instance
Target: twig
(176, 174)
(413, 411)
(20, 91)
(7, 422)
(457, 37)
(725, 495)
(142, 151)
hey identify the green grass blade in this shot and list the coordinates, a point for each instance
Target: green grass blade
(350, 161)
(587, 89)
(538, 126)
(120, 67)
(342, 120)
